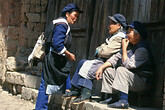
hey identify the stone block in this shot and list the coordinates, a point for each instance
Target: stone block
(43, 18)
(15, 78)
(29, 94)
(30, 25)
(56, 98)
(39, 27)
(44, 2)
(38, 9)
(13, 32)
(32, 81)
(25, 8)
(2, 71)
(32, 8)
(23, 17)
(33, 17)
(11, 45)
(25, 1)
(37, 2)
(89, 106)
(16, 64)
(43, 8)
(78, 106)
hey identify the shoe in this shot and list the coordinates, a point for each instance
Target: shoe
(85, 96)
(105, 101)
(80, 99)
(109, 101)
(123, 104)
(71, 93)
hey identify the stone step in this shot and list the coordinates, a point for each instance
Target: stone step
(57, 102)
(23, 79)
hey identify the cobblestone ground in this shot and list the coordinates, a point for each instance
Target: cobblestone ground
(10, 102)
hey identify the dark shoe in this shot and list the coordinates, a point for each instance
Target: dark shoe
(120, 104)
(109, 100)
(105, 101)
(85, 95)
(80, 99)
(71, 93)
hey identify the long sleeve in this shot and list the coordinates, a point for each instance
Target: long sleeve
(106, 51)
(135, 60)
(59, 35)
(115, 58)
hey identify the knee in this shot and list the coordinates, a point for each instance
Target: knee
(82, 61)
(121, 70)
(109, 72)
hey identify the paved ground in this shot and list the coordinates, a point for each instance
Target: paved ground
(10, 102)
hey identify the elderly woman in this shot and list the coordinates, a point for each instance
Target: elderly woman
(56, 62)
(85, 72)
(128, 69)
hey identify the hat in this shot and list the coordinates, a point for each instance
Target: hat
(70, 7)
(139, 28)
(119, 18)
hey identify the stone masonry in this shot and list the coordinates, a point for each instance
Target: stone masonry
(21, 22)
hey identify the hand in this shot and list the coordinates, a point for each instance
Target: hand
(70, 56)
(125, 43)
(98, 73)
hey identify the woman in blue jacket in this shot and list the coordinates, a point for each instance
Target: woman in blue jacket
(56, 66)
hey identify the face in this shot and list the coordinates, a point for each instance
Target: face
(113, 27)
(132, 36)
(72, 17)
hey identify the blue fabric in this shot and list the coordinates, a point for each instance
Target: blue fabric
(42, 99)
(123, 96)
(79, 81)
(59, 37)
(120, 104)
(70, 8)
(119, 18)
(68, 85)
(139, 27)
(82, 82)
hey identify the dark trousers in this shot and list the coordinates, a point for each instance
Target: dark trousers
(79, 81)
(42, 99)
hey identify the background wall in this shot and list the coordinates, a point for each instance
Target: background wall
(22, 21)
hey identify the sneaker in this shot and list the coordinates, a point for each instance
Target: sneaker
(120, 104)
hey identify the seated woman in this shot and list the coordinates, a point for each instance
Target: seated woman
(85, 72)
(129, 69)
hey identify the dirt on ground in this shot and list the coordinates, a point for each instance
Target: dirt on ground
(10, 102)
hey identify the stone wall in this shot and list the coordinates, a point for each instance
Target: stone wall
(21, 22)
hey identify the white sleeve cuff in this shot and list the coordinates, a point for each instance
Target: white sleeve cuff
(62, 51)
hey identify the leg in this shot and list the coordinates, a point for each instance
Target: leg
(108, 77)
(76, 77)
(68, 85)
(42, 99)
(125, 80)
(74, 91)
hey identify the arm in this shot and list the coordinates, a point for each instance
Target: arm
(99, 72)
(125, 43)
(58, 41)
(113, 47)
(59, 38)
(139, 57)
